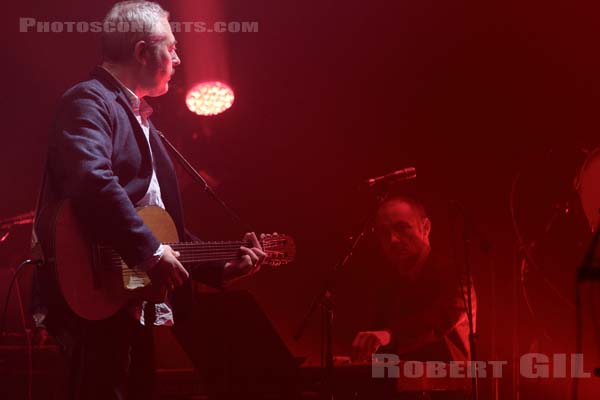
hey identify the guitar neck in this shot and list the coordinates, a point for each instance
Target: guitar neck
(195, 252)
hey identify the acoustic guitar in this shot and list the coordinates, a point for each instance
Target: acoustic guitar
(96, 283)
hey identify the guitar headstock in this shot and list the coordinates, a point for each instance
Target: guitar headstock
(280, 249)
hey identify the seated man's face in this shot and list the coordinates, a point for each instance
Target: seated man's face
(402, 234)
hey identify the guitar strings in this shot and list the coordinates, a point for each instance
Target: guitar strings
(199, 252)
(117, 261)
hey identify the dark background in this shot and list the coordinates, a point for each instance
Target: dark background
(329, 93)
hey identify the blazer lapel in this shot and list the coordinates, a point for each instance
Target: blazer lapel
(167, 179)
(137, 129)
(108, 80)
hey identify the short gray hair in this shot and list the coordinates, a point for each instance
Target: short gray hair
(127, 23)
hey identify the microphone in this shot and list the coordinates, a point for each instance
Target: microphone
(404, 174)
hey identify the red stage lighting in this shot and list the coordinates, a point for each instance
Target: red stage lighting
(209, 98)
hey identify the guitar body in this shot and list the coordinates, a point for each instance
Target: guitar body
(96, 283)
(95, 291)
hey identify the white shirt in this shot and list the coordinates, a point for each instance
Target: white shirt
(142, 111)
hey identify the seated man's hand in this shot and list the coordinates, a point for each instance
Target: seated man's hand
(249, 261)
(168, 271)
(366, 343)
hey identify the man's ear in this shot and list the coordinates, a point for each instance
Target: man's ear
(139, 52)
(426, 226)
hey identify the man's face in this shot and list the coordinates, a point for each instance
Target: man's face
(402, 234)
(161, 59)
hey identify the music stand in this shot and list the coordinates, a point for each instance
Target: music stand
(235, 348)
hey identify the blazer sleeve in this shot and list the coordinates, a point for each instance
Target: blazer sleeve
(80, 164)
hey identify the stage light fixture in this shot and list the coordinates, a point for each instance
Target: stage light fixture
(209, 98)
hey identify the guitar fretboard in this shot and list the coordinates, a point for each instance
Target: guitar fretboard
(195, 252)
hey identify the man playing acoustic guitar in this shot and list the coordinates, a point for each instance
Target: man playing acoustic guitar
(106, 158)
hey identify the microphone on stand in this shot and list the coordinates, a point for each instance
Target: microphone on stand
(401, 175)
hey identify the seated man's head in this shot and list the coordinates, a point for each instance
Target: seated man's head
(402, 230)
(137, 38)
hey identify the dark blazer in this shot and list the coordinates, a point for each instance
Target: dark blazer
(99, 158)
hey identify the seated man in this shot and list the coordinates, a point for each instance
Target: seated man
(422, 309)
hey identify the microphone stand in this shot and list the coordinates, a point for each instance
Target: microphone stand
(470, 229)
(191, 171)
(472, 335)
(325, 301)
(199, 179)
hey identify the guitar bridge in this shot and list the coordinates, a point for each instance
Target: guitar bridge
(133, 279)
